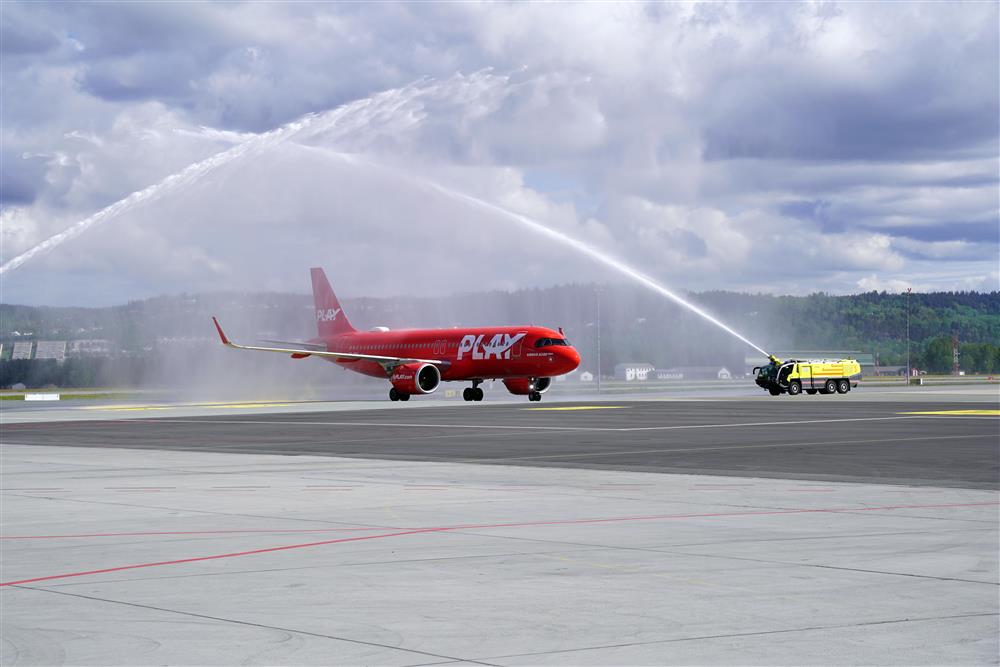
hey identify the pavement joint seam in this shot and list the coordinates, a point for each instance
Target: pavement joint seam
(252, 624)
(830, 567)
(670, 551)
(748, 634)
(193, 510)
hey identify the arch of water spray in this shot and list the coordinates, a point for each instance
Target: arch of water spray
(344, 120)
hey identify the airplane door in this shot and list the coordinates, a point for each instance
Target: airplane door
(515, 352)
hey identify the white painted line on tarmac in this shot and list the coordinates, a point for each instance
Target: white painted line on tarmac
(710, 449)
(774, 423)
(251, 422)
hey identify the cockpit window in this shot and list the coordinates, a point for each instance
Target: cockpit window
(551, 342)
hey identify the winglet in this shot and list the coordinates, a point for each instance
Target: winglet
(222, 334)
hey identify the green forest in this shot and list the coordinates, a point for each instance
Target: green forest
(149, 337)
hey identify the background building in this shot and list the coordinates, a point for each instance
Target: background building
(633, 372)
(694, 373)
(22, 350)
(51, 349)
(91, 347)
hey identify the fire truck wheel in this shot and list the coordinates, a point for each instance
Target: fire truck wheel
(811, 392)
(843, 387)
(794, 388)
(774, 392)
(830, 387)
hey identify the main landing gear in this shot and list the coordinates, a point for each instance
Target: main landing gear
(396, 395)
(473, 393)
(535, 396)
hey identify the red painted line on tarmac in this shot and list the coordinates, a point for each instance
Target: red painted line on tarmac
(473, 526)
(218, 556)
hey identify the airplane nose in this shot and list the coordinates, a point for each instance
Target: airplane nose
(570, 359)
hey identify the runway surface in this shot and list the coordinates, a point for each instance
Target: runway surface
(819, 438)
(606, 532)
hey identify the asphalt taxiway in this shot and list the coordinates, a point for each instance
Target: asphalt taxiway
(734, 531)
(819, 438)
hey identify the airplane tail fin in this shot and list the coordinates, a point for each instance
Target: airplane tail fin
(330, 317)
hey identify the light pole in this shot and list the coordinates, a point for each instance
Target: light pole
(908, 371)
(597, 292)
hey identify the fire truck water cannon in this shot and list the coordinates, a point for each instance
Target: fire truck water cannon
(793, 376)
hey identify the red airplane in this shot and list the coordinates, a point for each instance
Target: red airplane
(416, 361)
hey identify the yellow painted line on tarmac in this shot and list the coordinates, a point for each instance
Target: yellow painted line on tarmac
(250, 405)
(111, 407)
(223, 404)
(118, 408)
(582, 407)
(958, 413)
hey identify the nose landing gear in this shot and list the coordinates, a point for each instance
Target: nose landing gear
(473, 393)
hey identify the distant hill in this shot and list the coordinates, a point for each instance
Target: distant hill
(636, 325)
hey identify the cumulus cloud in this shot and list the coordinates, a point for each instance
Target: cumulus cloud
(779, 147)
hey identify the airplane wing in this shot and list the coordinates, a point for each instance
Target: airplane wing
(388, 363)
(297, 343)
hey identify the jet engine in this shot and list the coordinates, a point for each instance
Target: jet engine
(416, 378)
(524, 386)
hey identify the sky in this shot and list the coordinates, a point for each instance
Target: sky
(766, 147)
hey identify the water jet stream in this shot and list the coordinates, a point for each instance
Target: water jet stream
(591, 252)
(363, 111)
(575, 244)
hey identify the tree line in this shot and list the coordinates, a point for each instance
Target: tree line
(633, 324)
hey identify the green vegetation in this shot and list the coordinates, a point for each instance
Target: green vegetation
(170, 340)
(876, 322)
(73, 373)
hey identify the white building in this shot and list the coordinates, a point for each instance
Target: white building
(92, 347)
(50, 349)
(585, 376)
(633, 372)
(694, 373)
(22, 350)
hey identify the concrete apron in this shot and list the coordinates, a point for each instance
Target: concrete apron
(232, 558)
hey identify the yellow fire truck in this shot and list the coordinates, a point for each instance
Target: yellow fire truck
(793, 376)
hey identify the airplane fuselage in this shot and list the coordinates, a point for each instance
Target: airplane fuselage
(469, 353)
